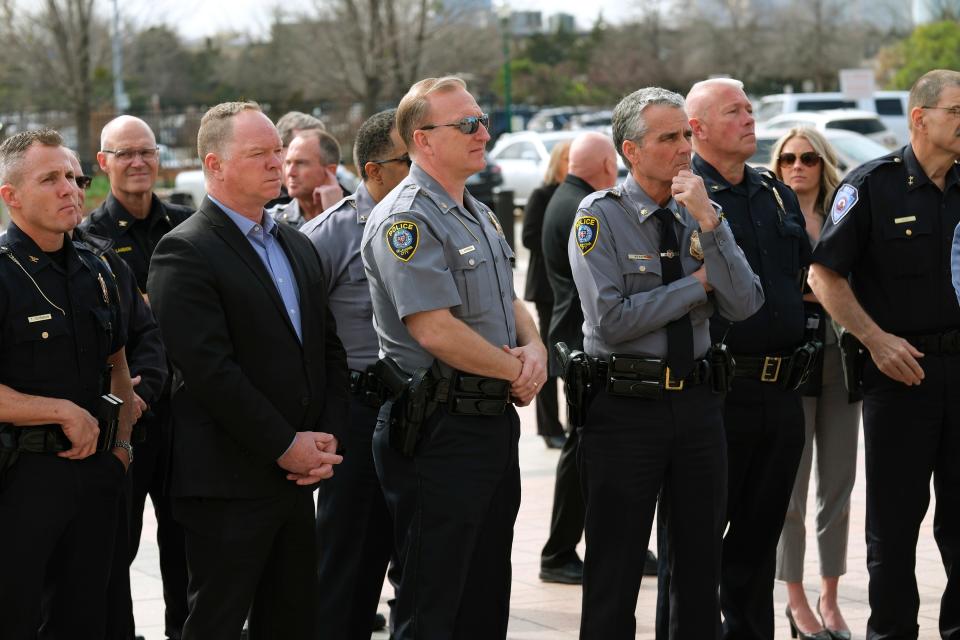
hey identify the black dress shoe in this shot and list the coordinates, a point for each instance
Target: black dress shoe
(835, 634)
(555, 442)
(379, 622)
(650, 564)
(569, 573)
(822, 634)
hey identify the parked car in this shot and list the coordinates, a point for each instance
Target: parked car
(192, 183)
(852, 148)
(555, 118)
(485, 184)
(862, 122)
(523, 159)
(890, 106)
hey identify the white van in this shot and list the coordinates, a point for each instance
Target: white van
(890, 106)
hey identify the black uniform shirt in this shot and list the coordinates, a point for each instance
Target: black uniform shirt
(890, 231)
(58, 324)
(771, 232)
(134, 239)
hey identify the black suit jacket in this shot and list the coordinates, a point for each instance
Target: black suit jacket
(247, 383)
(538, 287)
(566, 324)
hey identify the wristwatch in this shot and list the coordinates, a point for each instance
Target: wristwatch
(125, 444)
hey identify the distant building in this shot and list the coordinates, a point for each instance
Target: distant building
(561, 22)
(525, 23)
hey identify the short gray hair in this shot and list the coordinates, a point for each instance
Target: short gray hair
(216, 127)
(294, 121)
(628, 120)
(927, 89)
(328, 145)
(14, 149)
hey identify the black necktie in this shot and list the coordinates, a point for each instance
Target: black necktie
(680, 331)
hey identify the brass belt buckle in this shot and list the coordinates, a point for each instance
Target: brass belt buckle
(669, 384)
(770, 362)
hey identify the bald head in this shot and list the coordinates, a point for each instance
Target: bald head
(122, 128)
(703, 95)
(594, 159)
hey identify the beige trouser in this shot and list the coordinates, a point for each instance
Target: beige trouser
(833, 424)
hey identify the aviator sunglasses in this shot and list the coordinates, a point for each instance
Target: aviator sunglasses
(808, 158)
(467, 126)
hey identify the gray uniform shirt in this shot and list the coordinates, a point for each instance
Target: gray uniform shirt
(422, 252)
(336, 235)
(287, 213)
(614, 253)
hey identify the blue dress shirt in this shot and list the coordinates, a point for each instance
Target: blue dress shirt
(263, 239)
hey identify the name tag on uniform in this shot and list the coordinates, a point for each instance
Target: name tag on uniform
(639, 256)
(40, 318)
(905, 219)
(123, 249)
(467, 250)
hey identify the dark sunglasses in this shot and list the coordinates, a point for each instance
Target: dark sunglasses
(468, 125)
(808, 158)
(83, 182)
(405, 158)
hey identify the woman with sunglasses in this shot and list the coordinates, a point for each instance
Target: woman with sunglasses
(804, 160)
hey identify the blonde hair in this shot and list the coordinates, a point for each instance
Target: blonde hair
(556, 167)
(829, 175)
(414, 107)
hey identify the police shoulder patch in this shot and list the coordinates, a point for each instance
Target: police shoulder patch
(587, 229)
(845, 199)
(403, 238)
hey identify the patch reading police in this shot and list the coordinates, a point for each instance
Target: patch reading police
(403, 238)
(847, 196)
(587, 230)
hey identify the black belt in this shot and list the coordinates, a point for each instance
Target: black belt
(937, 344)
(48, 438)
(469, 395)
(626, 371)
(763, 368)
(366, 387)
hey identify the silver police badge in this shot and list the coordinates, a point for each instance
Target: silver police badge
(696, 249)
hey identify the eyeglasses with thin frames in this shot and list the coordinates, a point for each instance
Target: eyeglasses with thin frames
(405, 158)
(128, 155)
(83, 182)
(954, 111)
(467, 126)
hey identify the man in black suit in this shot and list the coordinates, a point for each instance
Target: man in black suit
(262, 379)
(592, 167)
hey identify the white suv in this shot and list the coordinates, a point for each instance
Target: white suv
(862, 122)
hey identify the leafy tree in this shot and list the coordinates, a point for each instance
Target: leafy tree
(931, 46)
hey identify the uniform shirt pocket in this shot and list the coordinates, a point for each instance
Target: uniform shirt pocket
(641, 275)
(473, 283)
(793, 235)
(909, 247)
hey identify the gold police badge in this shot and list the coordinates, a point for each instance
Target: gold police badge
(696, 249)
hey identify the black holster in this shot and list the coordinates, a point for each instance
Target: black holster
(8, 450)
(108, 418)
(579, 374)
(853, 357)
(800, 365)
(722, 368)
(413, 403)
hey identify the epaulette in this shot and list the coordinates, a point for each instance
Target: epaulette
(612, 192)
(404, 199)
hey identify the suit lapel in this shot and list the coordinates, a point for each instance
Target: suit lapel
(230, 233)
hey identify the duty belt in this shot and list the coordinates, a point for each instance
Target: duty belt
(646, 377)
(48, 438)
(938, 344)
(367, 387)
(764, 368)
